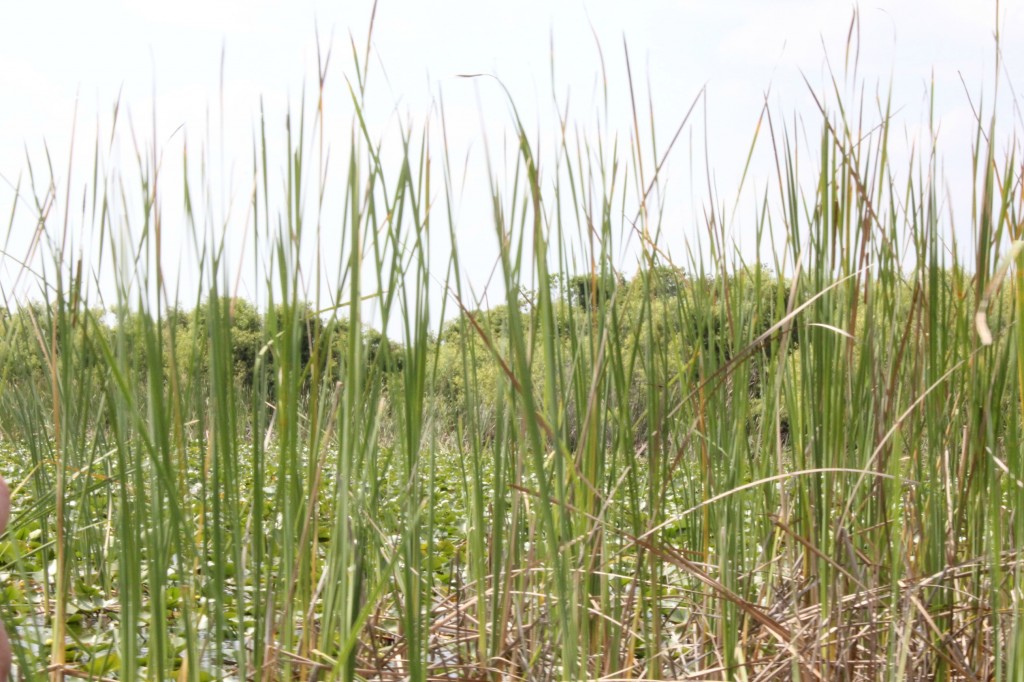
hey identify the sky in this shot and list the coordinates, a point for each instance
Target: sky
(193, 74)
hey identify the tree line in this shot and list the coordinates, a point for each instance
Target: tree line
(695, 322)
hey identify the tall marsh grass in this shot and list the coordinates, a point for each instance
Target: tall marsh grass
(713, 469)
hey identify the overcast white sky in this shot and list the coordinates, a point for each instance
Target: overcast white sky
(167, 56)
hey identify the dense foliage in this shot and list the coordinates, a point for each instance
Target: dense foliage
(811, 469)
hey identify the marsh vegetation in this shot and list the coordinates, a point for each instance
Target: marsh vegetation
(802, 466)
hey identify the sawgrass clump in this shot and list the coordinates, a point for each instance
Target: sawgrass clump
(807, 468)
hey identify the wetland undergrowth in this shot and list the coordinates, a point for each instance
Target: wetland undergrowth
(803, 468)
